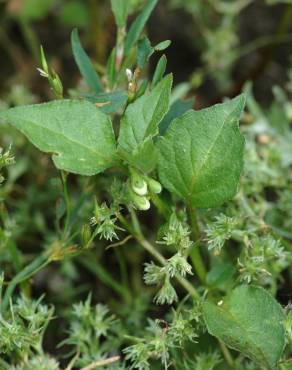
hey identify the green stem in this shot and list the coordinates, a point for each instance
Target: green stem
(135, 221)
(195, 254)
(184, 282)
(198, 263)
(154, 252)
(30, 270)
(226, 354)
(67, 201)
(160, 205)
(102, 274)
(123, 269)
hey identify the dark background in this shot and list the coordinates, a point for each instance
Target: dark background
(25, 24)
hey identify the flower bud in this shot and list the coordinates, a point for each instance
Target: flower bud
(139, 185)
(154, 186)
(57, 85)
(140, 202)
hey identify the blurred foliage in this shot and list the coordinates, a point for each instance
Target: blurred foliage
(248, 239)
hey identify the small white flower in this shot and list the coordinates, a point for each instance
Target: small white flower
(129, 74)
(43, 73)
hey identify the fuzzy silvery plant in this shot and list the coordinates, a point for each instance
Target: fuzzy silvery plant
(215, 255)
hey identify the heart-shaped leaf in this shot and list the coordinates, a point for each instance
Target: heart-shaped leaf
(78, 134)
(201, 154)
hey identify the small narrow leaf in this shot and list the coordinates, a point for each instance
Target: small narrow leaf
(201, 154)
(159, 70)
(111, 68)
(78, 134)
(251, 321)
(84, 64)
(142, 88)
(120, 10)
(145, 50)
(138, 25)
(180, 91)
(162, 45)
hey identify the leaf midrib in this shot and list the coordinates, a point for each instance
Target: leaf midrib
(206, 157)
(247, 334)
(147, 132)
(147, 124)
(107, 159)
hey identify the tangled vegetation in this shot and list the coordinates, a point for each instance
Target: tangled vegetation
(160, 234)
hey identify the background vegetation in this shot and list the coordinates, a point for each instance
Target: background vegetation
(70, 300)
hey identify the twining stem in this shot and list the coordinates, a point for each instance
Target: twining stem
(137, 234)
(195, 254)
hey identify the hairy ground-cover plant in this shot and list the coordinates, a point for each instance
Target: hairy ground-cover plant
(219, 247)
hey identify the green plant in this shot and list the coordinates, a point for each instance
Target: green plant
(218, 245)
(217, 25)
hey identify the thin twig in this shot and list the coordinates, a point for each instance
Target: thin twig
(101, 363)
(122, 242)
(72, 362)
